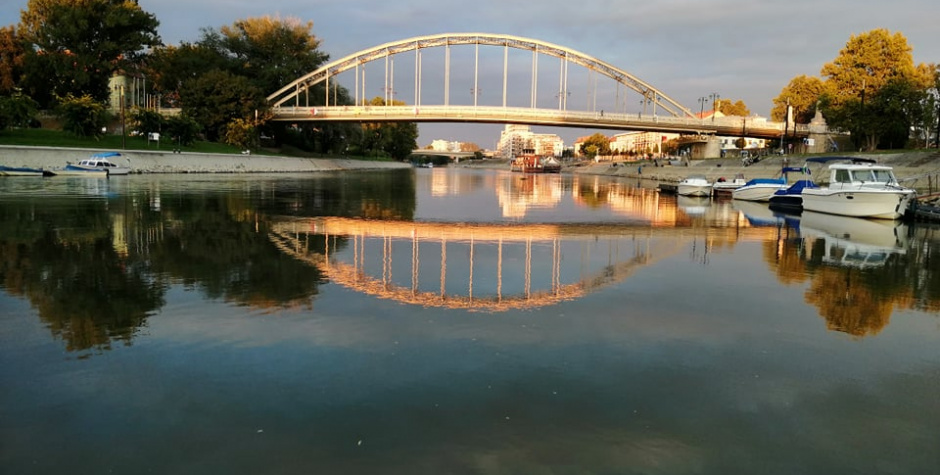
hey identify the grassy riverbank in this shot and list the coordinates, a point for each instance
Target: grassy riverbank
(57, 138)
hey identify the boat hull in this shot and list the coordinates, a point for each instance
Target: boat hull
(694, 190)
(757, 192)
(111, 171)
(82, 172)
(881, 203)
(787, 202)
(20, 171)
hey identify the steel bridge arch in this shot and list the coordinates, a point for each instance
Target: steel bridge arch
(321, 75)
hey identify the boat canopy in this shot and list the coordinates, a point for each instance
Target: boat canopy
(838, 159)
(766, 181)
(106, 155)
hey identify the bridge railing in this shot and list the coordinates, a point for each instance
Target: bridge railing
(602, 119)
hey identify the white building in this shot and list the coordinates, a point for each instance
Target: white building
(516, 137)
(445, 146)
(639, 142)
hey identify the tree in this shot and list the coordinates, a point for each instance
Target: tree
(182, 129)
(170, 67)
(469, 147)
(216, 98)
(868, 62)
(146, 120)
(83, 115)
(12, 55)
(872, 72)
(74, 46)
(17, 110)
(802, 94)
(396, 139)
(597, 144)
(726, 107)
(270, 51)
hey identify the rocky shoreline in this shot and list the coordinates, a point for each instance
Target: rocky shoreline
(142, 161)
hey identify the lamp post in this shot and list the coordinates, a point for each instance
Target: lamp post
(475, 92)
(120, 91)
(716, 103)
(702, 100)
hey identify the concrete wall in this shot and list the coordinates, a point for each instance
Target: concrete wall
(163, 162)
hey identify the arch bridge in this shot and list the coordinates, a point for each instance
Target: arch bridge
(655, 111)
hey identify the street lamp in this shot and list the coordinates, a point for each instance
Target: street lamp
(716, 104)
(702, 101)
(475, 92)
(120, 90)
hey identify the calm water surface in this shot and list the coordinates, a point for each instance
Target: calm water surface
(454, 321)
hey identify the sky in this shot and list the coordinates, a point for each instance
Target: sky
(688, 49)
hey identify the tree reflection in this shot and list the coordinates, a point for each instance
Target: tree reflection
(63, 260)
(96, 268)
(856, 292)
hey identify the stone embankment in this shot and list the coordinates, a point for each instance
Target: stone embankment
(918, 169)
(163, 162)
(907, 165)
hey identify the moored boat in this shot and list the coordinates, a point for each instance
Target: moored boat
(723, 187)
(529, 162)
(695, 185)
(102, 162)
(791, 197)
(759, 189)
(73, 170)
(21, 171)
(861, 189)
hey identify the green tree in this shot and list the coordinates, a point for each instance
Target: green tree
(170, 67)
(146, 120)
(395, 139)
(216, 98)
(83, 116)
(271, 51)
(802, 94)
(182, 129)
(597, 144)
(17, 110)
(74, 46)
(12, 54)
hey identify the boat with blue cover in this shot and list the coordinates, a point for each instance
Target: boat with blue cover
(791, 197)
(21, 171)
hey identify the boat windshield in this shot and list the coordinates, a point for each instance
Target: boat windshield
(873, 176)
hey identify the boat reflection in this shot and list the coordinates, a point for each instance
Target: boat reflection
(849, 262)
(855, 242)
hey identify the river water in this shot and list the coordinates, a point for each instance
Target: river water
(456, 321)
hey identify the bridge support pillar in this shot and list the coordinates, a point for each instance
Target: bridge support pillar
(709, 148)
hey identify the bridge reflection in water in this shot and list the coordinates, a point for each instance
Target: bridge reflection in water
(486, 267)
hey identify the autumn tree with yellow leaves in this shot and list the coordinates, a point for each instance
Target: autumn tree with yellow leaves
(872, 89)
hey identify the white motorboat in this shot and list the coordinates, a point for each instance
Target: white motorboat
(725, 187)
(102, 162)
(695, 185)
(74, 170)
(759, 189)
(860, 189)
